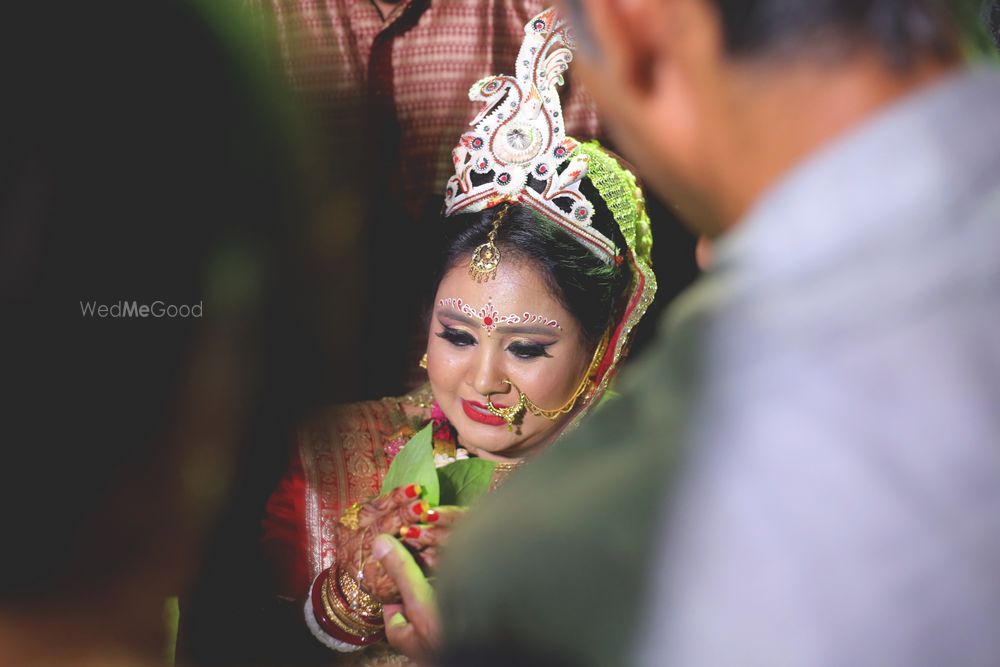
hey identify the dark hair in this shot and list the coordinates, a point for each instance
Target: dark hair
(901, 29)
(590, 289)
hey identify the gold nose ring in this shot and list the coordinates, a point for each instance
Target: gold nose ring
(513, 414)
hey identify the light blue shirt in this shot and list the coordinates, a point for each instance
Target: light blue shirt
(840, 500)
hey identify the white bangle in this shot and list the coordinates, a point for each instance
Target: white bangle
(318, 632)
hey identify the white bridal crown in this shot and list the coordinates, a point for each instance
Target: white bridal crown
(518, 145)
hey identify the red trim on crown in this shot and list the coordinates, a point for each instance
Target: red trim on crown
(608, 251)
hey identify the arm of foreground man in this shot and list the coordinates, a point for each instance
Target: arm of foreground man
(413, 627)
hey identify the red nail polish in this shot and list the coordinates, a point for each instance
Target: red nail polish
(418, 508)
(432, 516)
(412, 532)
(412, 491)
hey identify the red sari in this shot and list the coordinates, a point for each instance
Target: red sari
(340, 457)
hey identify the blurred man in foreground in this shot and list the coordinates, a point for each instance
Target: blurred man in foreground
(148, 234)
(805, 470)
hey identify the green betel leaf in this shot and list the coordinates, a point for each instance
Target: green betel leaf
(415, 465)
(464, 481)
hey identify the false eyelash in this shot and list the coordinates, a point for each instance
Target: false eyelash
(456, 337)
(529, 350)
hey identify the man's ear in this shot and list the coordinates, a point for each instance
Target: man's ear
(619, 37)
(638, 44)
(656, 80)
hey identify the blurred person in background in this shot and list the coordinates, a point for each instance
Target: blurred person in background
(151, 289)
(804, 471)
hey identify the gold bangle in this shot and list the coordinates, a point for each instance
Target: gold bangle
(359, 600)
(336, 612)
(332, 614)
(349, 616)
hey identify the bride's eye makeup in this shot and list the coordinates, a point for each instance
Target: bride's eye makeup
(456, 337)
(528, 350)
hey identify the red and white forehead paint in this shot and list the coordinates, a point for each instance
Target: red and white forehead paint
(490, 318)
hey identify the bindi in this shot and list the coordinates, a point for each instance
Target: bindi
(490, 318)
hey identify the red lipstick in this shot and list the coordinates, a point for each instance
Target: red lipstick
(478, 412)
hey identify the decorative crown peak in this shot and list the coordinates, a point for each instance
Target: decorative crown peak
(518, 145)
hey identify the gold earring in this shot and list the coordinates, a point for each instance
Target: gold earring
(423, 361)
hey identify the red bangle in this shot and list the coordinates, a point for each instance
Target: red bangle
(331, 611)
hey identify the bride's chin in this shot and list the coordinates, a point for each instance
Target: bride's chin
(501, 448)
(478, 442)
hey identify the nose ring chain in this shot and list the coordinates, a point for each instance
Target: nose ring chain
(515, 413)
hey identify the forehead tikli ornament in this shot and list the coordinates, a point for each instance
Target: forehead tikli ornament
(515, 413)
(486, 258)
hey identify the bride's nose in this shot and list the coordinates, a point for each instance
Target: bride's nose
(486, 375)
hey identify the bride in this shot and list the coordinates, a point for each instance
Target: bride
(544, 273)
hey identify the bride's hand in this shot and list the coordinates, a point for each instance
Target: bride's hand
(385, 514)
(426, 539)
(424, 535)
